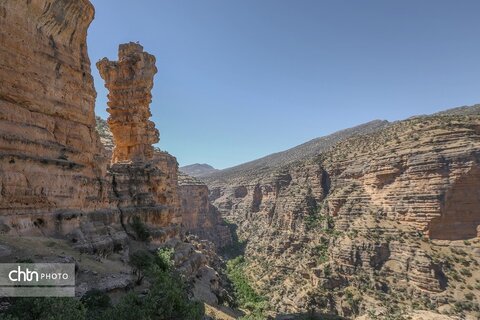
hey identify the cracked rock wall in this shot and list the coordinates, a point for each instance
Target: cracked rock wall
(50, 156)
(54, 179)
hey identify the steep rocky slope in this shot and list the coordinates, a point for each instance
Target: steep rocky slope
(311, 148)
(54, 174)
(198, 169)
(53, 170)
(198, 216)
(63, 196)
(379, 224)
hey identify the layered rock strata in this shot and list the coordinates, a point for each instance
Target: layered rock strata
(55, 183)
(145, 185)
(368, 224)
(196, 215)
(130, 81)
(54, 179)
(199, 216)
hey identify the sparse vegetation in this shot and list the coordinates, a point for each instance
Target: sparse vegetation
(140, 229)
(321, 250)
(237, 247)
(466, 272)
(245, 295)
(45, 309)
(166, 299)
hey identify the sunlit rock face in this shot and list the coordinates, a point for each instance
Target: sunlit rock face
(144, 184)
(51, 160)
(396, 210)
(54, 179)
(197, 215)
(130, 81)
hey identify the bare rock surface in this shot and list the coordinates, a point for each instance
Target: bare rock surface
(52, 164)
(387, 219)
(196, 214)
(199, 216)
(54, 178)
(130, 81)
(60, 200)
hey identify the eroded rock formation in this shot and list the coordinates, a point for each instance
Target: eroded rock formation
(144, 185)
(199, 216)
(54, 179)
(376, 216)
(51, 161)
(55, 183)
(130, 81)
(196, 215)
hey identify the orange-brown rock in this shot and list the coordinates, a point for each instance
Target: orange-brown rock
(196, 215)
(424, 172)
(199, 216)
(387, 216)
(51, 160)
(54, 179)
(130, 81)
(144, 184)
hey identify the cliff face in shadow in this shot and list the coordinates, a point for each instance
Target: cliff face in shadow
(199, 216)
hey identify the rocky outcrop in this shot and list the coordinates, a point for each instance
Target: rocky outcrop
(199, 217)
(130, 81)
(377, 212)
(51, 161)
(55, 183)
(196, 215)
(144, 184)
(198, 262)
(54, 179)
(423, 172)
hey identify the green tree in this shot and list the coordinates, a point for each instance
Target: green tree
(46, 309)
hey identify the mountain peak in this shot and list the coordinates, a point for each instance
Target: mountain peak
(198, 169)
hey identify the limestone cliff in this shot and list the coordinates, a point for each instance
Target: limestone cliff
(144, 185)
(383, 222)
(196, 215)
(130, 81)
(60, 199)
(54, 179)
(199, 216)
(52, 164)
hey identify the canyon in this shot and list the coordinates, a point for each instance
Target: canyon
(378, 221)
(384, 221)
(56, 177)
(64, 195)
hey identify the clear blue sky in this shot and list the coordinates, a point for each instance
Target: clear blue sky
(241, 79)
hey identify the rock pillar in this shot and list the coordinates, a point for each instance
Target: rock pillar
(130, 81)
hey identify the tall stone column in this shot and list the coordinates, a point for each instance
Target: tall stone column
(144, 184)
(130, 81)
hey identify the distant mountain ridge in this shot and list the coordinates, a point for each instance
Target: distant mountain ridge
(305, 150)
(198, 169)
(383, 203)
(314, 147)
